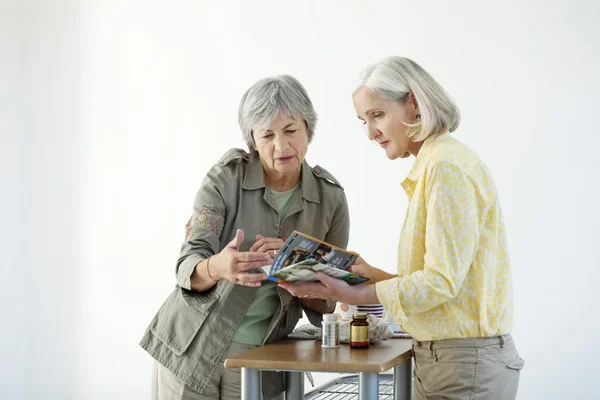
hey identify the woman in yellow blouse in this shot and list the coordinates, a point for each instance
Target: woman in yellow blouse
(453, 290)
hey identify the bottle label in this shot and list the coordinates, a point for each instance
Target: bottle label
(359, 335)
(331, 336)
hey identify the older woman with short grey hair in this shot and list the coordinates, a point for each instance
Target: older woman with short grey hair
(248, 203)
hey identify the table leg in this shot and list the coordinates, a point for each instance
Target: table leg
(368, 386)
(403, 388)
(294, 385)
(251, 385)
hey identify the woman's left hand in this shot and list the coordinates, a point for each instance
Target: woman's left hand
(267, 245)
(332, 289)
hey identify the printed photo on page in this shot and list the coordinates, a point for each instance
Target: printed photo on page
(301, 256)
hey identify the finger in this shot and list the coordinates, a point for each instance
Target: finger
(329, 281)
(245, 282)
(272, 240)
(240, 280)
(314, 290)
(320, 296)
(247, 256)
(248, 277)
(246, 266)
(269, 246)
(259, 242)
(359, 261)
(242, 266)
(268, 242)
(313, 296)
(237, 240)
(290, 287)
(358, 269)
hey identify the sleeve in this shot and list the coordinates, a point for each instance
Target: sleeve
(451, 237)
(339, 230)
(338, 235)
(203, 229)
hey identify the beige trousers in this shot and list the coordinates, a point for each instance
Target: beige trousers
(467, 369)
(225, 384)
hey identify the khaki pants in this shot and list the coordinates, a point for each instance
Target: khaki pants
(467, 369)
(225, 384)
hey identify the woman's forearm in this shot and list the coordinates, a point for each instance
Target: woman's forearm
(366, 294)
(383, 276)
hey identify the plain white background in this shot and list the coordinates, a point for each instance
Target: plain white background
(111, 112)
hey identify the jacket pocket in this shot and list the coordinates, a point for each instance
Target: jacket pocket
(181, 317)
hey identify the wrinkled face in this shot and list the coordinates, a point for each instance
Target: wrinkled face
(282, 146)
(384, 119)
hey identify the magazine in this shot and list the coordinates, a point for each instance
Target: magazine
(301, 256)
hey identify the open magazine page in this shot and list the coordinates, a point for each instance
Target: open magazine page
(301, 256)
(304, 271)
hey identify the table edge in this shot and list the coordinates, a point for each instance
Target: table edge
(316, 367)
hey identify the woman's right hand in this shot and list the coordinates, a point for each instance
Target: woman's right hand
(233, 265)
(362, 268)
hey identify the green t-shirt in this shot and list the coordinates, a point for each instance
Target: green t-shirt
(255, 323)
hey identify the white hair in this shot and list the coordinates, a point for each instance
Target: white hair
(269, 97)
(394, 78)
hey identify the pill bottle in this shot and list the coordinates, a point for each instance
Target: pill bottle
(359, 331)
(331, 332)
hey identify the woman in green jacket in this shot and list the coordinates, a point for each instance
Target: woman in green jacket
(248, 203)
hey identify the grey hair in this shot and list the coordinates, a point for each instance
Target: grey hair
(394, 78)
(271, 96)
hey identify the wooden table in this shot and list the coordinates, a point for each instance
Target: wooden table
(296, 356)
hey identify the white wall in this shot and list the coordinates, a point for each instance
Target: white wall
(127, 105)
(42, 287)
(13, 209)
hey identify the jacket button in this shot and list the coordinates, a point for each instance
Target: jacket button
(317, 170)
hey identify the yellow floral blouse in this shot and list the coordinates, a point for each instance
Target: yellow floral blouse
(454, 276)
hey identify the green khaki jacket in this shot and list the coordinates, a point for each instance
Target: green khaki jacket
(192, 331)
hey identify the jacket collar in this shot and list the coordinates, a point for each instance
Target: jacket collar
(255, 178)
